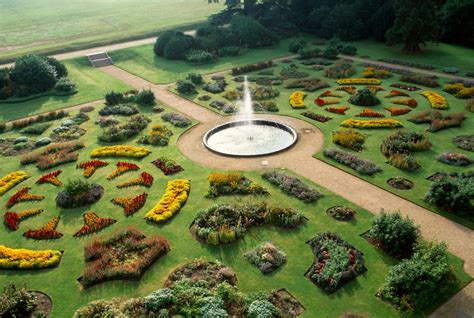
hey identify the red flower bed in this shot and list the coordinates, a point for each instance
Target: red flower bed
(323, 102)
(12, 219)
(91, 166)
(367, 112)
(131, 205)
(396, 111)
(93, 223)
(396, 93)
(337, 110)
(123, 167)
(51, 177)
(167, 166)
(317, 117)
(145, 179)
(47, 232)
(23, 195)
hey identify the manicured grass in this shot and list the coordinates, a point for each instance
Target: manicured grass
(60, 283)
(442, 140)
(439, 55)
(32, 26)
(91, 83)
(142, 62)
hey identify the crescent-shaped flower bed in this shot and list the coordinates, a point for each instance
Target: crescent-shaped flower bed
(337, 110)
(145, 179)
(93, 223)
(436, 100)
(336, 262)
(176, 195)
(293, 186)
(167, 166)
(120, 151)
(125, 255)
(297, 100)
(396, 93)
(367, 112)
(28, 259)
(233, 183)
(51, 177)
(371, 123)
(132, 204)
(359, 81)
(12, 179)
(79, 193)
(12, 219)
(225, 223)
(330, 94)
(47, 232)
(23, 195)
(123, 167)
(410, 102)
(91, 166)
(351, 90)
(397, 111)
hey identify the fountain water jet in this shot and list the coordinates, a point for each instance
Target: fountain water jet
(249, 137)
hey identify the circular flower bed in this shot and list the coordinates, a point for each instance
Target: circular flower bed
(400, 183)
(341, 213)
(79, 193)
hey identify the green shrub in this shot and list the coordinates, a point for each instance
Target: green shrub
(454, 194)
(178, 46)
(159, 299)
(77, 186)
(349, 50)
(396, 234)
(145, 98)
(114, 98)
(213, 307)
(364, 97)
(36, 129)
(162, 41)
(195, 78)
(251, 33)
(309, 53)
(200, 57)
(32, 74)
(64, 85)
(229, 51)
(262, 309)
(186, 88)
(296, 45)
(330, 53)
(59, 67)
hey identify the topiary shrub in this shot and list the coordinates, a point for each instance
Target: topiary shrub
(394, 234)
(186, 88)
(364, 97)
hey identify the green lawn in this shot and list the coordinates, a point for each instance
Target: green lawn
(142, 62)
(91, 83)
(42, 26)
(441, 140)
(60, 283)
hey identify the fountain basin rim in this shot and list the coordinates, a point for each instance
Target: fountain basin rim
(255, 122)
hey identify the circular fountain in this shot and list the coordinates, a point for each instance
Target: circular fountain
(249, 136)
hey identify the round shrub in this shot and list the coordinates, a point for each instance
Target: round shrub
(162, 41)
(64, 85)
(452, 194)
(296, 45)
(114, 98)
(59, 67)
(251, 33)
(185, 88)
(158, 299)
(145, 98)
(178, 46)
(195, 78)
(349, 50)
(261, 309)
(43, 142)
(213, 307)
(330, 53)
(364, 97)
(21, 139)
(33, 74)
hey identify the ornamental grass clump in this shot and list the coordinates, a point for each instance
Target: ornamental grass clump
(350, 139)
(362, 166)
(293, 186)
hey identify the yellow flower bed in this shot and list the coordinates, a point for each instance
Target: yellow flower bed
(297, 100)
(171, 202)
(11, 180)
(359, 81)
(28, 259)
(120, 151)
(372, 123)
(436, 100)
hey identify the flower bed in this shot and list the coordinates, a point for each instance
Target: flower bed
(340, 70)
(459, 90)
(167, 166)
(337, 110)
(126, 130)
(251, 68)
(396, 93)
(177, 120)
(232, 183)
(375, 88)
(145, 179)
(23, 195)
(132, 204)
(104, 262)
(425, 80)
(12, 219)
(465, 142)
(91, 166)
(54, 155)
(371, 124)
(51, 177)
(359, 81)
(226, 223)
(266, 257)
(158, 135)
(120, 151)
(367, 112)
(454, 159)
(410, 102)
(400, 146)
(176, 195)
(400, 183)
(362, 166)
(122, 167)
(336, 262)
(317, 117)
(78, 193)
(330, 94)
(372, 72)
(293, 186)
(297, 100)
(409, 88)
(436, 100)
(351, 90)
(437, 120)
(12, 179)
(308, 84)
(28, 259)
(397, 111)
(341, 213)
(47, 232)
(350, 139)
(93, 223)
(323, 102)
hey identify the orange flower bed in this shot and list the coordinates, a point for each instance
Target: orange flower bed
(12, 219)
(23, 195)
(396, 93)
(351, 90)
(411, 102)
(367, 112)
(91, 166)
(337, 110)
(123, 167)
(145, 179)
(93, 223)
(330, 94)
(396, 111)
(132, 204)
(51, 177)
(47, 232)
(375, 89)
(323, 102)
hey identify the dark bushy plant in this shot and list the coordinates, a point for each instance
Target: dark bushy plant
(251, 33)
(229, 51)
(162, 41)
(79, 193)
(114, 98)
(363, 166)
(296, 45)
(59, 67)
(215, 87)
(120, 109)
(199, 57)
(293, 186)
(33, 74)
(17, 302)
(145, 97)
(453, 193)
(195, 78)
(309, 52)
(330, 53)
(186, 88)
(396, 235)
(364, 97)
(178, 46)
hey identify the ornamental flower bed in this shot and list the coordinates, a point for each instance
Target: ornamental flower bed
(175, 197)
(297, 100)
(167, 166)
(51, 177)
(337, 110)
(120, 151)
(436, 100)
(330, 94)
(12, 219)
(225, 223)
(47, 232)
(350, 139)
(362, 166)
(465, 142)
(375, 88)
(351, 90)
(293, 186)
(359, 81)
(78, 193)
(437, 120)
(454, 159)
(267, 257)
(23, 195)
(367, 112)
(406, 87)
(397, 111)
(177, 120)
(122, 167)
(371, 124)
(126, 255)
(336, 262)
(145, 179)
(323, 102)
(317, 117)
(233, 183)
(396, 93)
(93, 223)
(91, 166)
(132, 204)
(12, 179)
(158, 135)
(341, 213)
(411, 102)
(28, 259)
(54, 155)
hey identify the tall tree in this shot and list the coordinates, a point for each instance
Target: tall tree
(415, 24)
